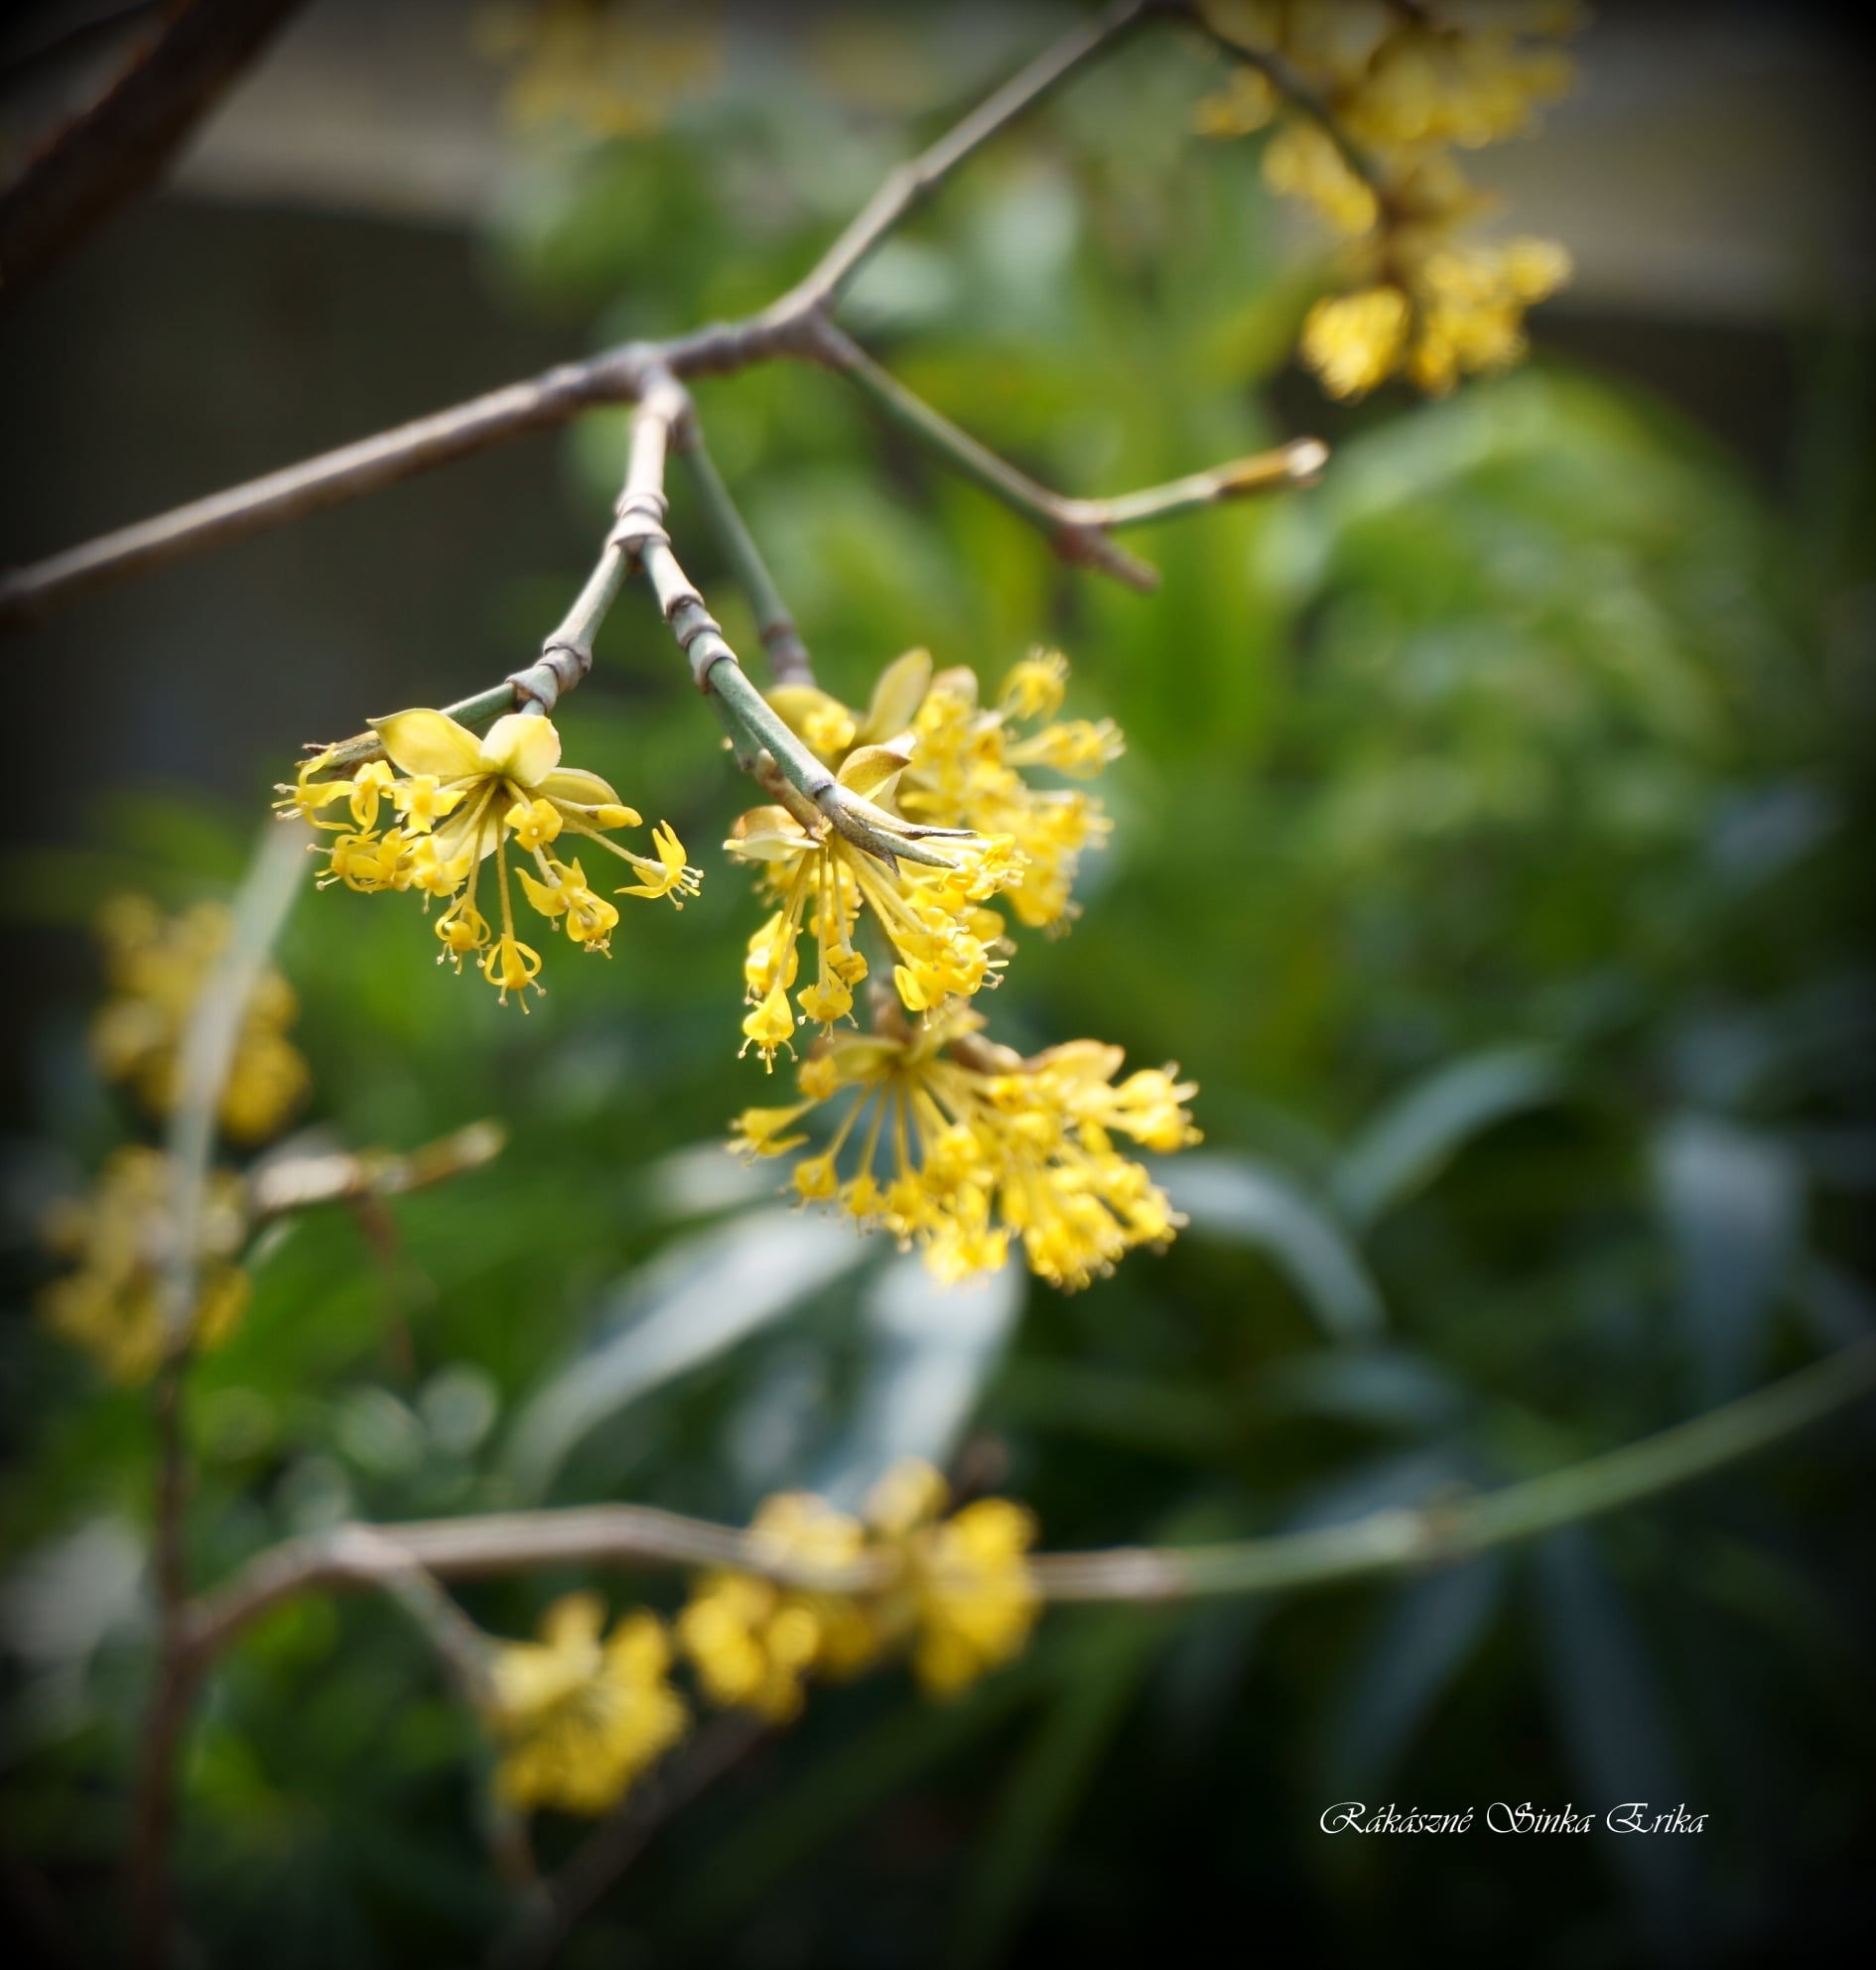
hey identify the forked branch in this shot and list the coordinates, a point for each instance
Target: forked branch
(794, 328)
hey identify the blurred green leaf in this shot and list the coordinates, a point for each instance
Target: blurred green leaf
(1101, 1670)
(702, 1295)
(929, 1350)
(1406, 1146)
(1619, 1742)
(1732, 1202)
(1244, 1202)
(1422, 1642)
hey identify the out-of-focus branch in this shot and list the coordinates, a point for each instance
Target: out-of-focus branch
(1382, 1543)
(618, 1840)
(497, 1543)
(794, 328)
(1434, 1534)
(1077, 529)
(109, 152)
(343, 1176)
(911, 182)
(206, 1055)
(1300, 95)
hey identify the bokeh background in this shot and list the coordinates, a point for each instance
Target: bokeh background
(1487, 848)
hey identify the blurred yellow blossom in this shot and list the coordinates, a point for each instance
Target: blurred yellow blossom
(962, 1599)
(753, 1642)
(578, 1714)
(461, 799)
(121, 1240)
(951, 1594)
(606, 68)
(1381, 95)
(155, 967)
(959, 1146)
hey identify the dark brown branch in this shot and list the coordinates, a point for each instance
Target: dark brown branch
(110, 152)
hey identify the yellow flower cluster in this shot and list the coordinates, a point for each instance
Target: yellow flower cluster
(155, 967)
(1403, 88)
(925, 751)
(960, 1146)
(458, 799)
(578, 1714)
(941, 935)
(753, 1642)
(954, 1594)
(120, 1239)
(613, 70)
(966, 763)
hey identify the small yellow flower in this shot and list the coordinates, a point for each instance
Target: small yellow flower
(155, 967)
(578, 1718)
(120, 1237)
(607, 70)
(963, 763)
(463, 799)
(1403, 88)
(960, 1147)
(965, 1596)
(942, 938)
(954, 1594)
(755, 1643)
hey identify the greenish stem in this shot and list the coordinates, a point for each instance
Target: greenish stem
(788, 658)
(1292, 87)
(1072, 538)
(206, 1055)
(1389, 1541)
(1382, 1543)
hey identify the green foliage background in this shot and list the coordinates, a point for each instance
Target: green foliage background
(1485, 851)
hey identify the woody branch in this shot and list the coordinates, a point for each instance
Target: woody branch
(795, 327)
(1395, 1541)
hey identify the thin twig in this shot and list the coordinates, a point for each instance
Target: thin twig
(1300, 95)
(1381, 1542)
(618, 1840)
(206, 1055)
(1434, 1534)
(1077, 529)
(298, 1182)
(488, 1544)
(913, 182)
(788, 659)
(1082, 545)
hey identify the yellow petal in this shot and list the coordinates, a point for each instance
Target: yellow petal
(573, 1622)
(429, 743)
(456, 835)
(766, 834)
(897, 696)
(524, 747)
(813, 715)
(871, 770)
(579, 788)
